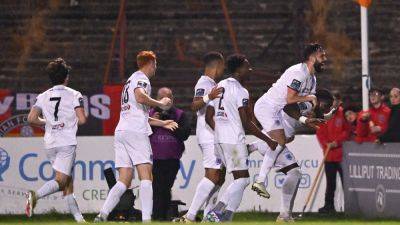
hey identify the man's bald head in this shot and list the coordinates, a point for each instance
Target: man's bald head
(395, 96)
(164, 92)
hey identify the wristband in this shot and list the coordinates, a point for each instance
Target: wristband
(303, 119)
(206, 99)
(328, 115)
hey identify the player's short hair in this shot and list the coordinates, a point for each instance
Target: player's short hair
(211, 57)
(144, 57)
(323, 95)
(58, 71)
(310, 49)
(234, 62)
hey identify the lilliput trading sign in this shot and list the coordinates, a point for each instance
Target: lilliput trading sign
(372, 179)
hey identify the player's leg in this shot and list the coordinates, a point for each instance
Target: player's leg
(71, 201)
(207, 184)
(213, 197)
(146, 190)
(236, 157)
(124, 165)
(287, 162)
(270, 119)
(62, 160)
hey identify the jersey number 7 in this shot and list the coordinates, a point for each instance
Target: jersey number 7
(58, 100)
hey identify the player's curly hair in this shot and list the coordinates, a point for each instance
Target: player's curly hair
(58, 71)
(234, 62)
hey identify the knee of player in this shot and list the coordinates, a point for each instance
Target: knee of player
(63, 182)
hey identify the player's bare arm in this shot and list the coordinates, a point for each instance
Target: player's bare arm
(293, 97)
(200, 102)
(34, 117)
(250, 126)
(80, 113)
(145, 99)
(293, 110)
(210, 117)
(167, 124)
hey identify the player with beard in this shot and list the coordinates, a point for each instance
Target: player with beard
(296, 85)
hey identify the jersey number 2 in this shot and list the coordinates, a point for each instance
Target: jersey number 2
(58, 100)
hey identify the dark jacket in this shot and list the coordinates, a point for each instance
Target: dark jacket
(393, 132)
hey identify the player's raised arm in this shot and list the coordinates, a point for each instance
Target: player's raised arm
(201, 99)
(143, 98)
(210, 116)
(250, 126)
(293, 97)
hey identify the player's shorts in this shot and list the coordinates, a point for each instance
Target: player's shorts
(269, 115)
(210, 159)
(131, 149)
(62, 158)
(233, 156)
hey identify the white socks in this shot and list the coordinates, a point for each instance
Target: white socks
(113, 198)
(235, 193)
(212, 199)
(48, 188)
(73, 208)
(146, 199)
(203, 191)
(289, 191)
(268, 161)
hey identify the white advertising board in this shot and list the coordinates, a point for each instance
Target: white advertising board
(23, 166)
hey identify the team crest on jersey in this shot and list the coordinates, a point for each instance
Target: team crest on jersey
(200, 92)
(142, 84)
(289, 156)
(295, 85)
(245, 102)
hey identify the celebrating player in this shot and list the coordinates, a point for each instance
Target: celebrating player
(62, 110)
(131, 141)
(296, 85)
(206, 91)
(232, 116)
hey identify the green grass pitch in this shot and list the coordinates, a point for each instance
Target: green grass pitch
(251, 218)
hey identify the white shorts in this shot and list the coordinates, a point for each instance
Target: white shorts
(62, 158)
(210, 159)
(234, 157)
(131, 149)
(269, 115)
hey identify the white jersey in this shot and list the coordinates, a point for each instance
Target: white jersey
(58, 106)
(134, 116)
(228, 125)
(296, 77)
(204, 132)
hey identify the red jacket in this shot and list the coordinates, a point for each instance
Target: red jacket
(336, 129)
(379, 117)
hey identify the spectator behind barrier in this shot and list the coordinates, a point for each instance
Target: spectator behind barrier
(331, 135)
(393, 132)
(351, 119)
(374, 122)
(167, 148)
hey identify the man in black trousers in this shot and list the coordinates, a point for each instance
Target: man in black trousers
(167, 148)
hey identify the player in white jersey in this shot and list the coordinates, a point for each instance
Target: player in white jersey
(62, 111)
(229, 116)
(204, 92)
(131, 141)
(297, 84)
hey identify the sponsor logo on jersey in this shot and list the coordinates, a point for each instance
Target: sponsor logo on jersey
(200, 92)
(295, 85)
